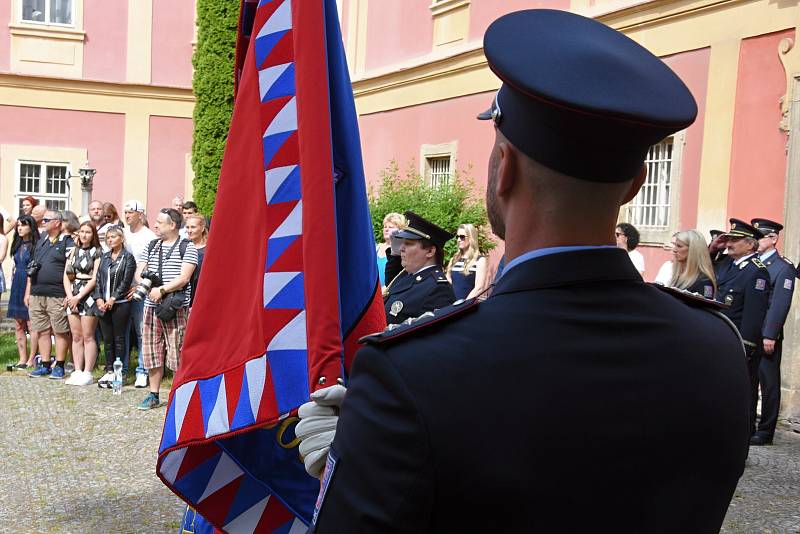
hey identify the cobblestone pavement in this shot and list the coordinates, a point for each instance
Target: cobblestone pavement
(61, 447)
(768, 496)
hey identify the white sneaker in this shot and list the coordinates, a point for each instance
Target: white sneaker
(105, 381)
(85, 379)
(74, 378)
(141, 381)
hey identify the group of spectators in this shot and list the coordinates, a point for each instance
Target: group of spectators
(97, 280)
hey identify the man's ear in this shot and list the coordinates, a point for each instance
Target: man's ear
(431, 252)
(635, 185)
(506, 169)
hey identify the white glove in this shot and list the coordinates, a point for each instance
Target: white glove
(317, 427)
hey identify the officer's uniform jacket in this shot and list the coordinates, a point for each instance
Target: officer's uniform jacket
(411, 295)
(562, 397)
(745, 289)
(782, 274)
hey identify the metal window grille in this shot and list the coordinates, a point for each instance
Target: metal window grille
(651, 208)
(439, 170)
(47, 11)
(54, 192)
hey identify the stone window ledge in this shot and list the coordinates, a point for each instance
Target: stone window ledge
(440, 8)
(48, 32)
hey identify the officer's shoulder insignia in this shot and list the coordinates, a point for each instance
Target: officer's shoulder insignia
(693, 299)
(787, 260)
(400, 331)
(758, 263)
(442, 279)
(743, 265)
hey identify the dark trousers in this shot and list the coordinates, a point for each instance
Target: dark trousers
(752, 369)
(769, 377)
(114, 325)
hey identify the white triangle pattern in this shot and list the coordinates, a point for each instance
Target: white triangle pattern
(267, 77)
(247, 521)
(281, 20)
(172, 463)
(274, 283)
(285, 120)
(226, 472)
(298, 527)
(292, 225)
(182, 397)
(218, 420)
(274, 178)
(292, 336)
(256, 372)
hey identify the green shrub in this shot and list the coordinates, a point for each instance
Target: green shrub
(447, 206)
(217, 23)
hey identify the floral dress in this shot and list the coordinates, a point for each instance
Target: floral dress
(82, 266)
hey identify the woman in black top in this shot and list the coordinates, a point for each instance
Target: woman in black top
(114, 279)
(691, 267)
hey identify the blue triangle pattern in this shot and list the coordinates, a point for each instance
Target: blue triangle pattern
(169, 438)
(250, 492)
(194, 483)
(291, 297)
(264, 2)
(290, 369)
(289, 190)
(243, 416)
(283, 86)
(209, 391)
(276, 247)
(273, 143)
(265, 44)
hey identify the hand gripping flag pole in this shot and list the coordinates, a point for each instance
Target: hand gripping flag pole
(289, 280)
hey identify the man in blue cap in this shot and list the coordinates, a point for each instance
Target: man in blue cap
(577, 397)
(744, 287)
(782, 274)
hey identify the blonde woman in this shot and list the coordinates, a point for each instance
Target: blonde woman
(467, 268)
(692, 269)
(197, 233)
(388, 264)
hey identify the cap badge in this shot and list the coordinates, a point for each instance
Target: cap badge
(755, 225)
(397, 307)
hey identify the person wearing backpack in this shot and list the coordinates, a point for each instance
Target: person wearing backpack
(167, 263)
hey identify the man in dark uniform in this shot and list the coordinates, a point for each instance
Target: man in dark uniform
(782, 274)
(744, 287)
(562, 403)
(421, 286)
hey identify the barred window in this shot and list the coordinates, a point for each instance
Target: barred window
(439, 170)
(47, 182)
(652, 206)
(47, 11)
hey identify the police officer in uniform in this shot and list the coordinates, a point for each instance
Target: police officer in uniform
(421, 286)
(560, 403)
(782, 274)
(744, 287)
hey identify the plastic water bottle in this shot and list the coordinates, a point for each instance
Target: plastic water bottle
(116, 384)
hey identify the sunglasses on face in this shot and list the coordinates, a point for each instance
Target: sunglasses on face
(461, 237)
(45, 219)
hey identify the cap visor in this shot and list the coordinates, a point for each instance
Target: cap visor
(485, 115)
(403, 234)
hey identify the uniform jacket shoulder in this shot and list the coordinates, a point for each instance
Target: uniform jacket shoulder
(394, 333)
(690, 298)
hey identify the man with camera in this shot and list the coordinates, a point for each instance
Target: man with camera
(44, 294)
(163, 272)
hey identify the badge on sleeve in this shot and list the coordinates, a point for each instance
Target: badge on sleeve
(327, 475)
(761, 284)
(397, 307)
(787, 284)
(708, 292)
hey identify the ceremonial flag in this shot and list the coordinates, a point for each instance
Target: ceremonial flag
(289, 280)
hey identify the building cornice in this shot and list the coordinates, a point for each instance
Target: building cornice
(89, 87)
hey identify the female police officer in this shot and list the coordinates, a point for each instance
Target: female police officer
(421, 286)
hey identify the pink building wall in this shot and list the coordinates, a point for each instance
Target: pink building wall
(5, 37)
(482, 13)
(102, 134)
(105, 48)
(173, 30)
(170, 141)
(758, 157)
(409, 35)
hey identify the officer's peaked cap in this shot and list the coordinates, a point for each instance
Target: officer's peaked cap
(765, 226)
(579, 97)
(739, 228)
(420, 228)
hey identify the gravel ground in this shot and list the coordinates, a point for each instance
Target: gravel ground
(61, 445)
(80, 460)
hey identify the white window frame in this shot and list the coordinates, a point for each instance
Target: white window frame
(47, 15)
(42, 196)
(659, 235)
(428, 153)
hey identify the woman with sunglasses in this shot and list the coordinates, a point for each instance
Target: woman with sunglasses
(25, 237)
(80, 277)
(467, 268)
